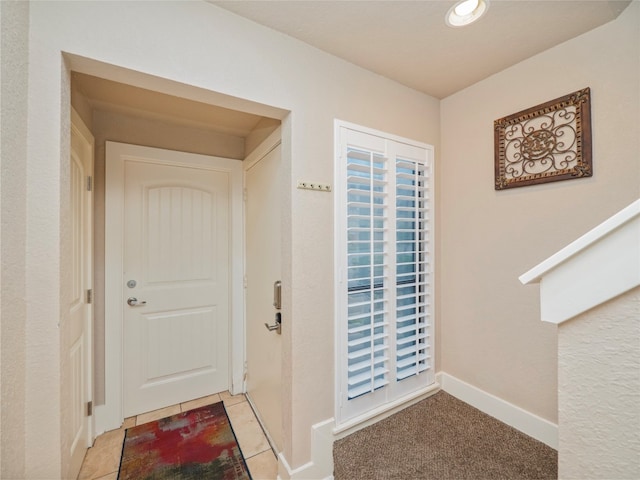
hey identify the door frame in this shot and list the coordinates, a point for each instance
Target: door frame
(110, 415)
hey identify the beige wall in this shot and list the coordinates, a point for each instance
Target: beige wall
(259, 134)
(491, 334)
(117, 127)
(13, 151)
(81, 105)
(599, 391)
(241, 60)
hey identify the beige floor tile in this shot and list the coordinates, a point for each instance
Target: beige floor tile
(250, 436)
(104, 457)
(129, 422)
(199, 402)
(112, 476)
(263, 466)
(110, 439)
(157, 414)
(229, 399)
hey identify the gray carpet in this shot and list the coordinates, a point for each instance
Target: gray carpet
(441, 438)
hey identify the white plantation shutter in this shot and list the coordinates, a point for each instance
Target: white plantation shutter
(383, 254)
(412, 269)
(367, 312)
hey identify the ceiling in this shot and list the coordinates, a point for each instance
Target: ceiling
(409, 42)
(406, 41)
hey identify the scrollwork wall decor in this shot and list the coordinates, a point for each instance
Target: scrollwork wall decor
(545, 143)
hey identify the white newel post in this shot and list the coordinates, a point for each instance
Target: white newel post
(591, 290)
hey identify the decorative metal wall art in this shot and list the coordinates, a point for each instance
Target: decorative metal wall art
(545, 143)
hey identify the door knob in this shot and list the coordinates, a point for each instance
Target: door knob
(134, 302)
(277, 326)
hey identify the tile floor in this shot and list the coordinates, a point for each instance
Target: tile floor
(103, 459)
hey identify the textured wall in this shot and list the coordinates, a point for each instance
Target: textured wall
(491, 334)
(599, 391)
(14, 21)
(195, 44)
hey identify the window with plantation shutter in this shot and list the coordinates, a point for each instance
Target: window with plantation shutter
(384, 264)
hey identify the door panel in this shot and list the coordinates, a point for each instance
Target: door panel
(76, 331)
(176, 250)
(263, 230)
(180, 220)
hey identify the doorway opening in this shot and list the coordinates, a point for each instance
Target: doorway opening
(163, 114)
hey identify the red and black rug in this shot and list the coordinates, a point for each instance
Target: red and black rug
(198, 444)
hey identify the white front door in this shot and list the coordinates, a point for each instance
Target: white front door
(76, 331)
(264, 185)
(176, 276)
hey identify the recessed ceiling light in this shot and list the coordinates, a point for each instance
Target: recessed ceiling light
(465, 12)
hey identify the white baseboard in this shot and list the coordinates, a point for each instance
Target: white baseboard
(323, 435)
(528, 423)
(384, 411)
(321, 465)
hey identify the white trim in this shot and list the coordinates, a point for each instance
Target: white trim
(392, 146)
(600, 265)
(522, 420)
(384, 411)
(378, 133)
(321, 464)
(261, 151)
(83, 130)
(110, 415)
(323, 434)
(623, 216)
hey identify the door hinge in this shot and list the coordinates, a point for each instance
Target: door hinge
(89, 184)
(244, 281)
(90, 295)
(89, 409)
(244, 194)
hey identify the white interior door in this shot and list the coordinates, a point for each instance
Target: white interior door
(176, 277)
(263, 246)
(76, 331)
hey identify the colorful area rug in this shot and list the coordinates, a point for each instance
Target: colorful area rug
(198, 444)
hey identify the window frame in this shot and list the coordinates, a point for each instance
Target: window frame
(396, 392)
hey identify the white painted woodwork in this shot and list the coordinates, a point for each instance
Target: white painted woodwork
(528, 423)
(174, 225)
(176, 248)
(182, 368)
(77, 330)
(264, 185)
(598, 266)
(384, 262)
